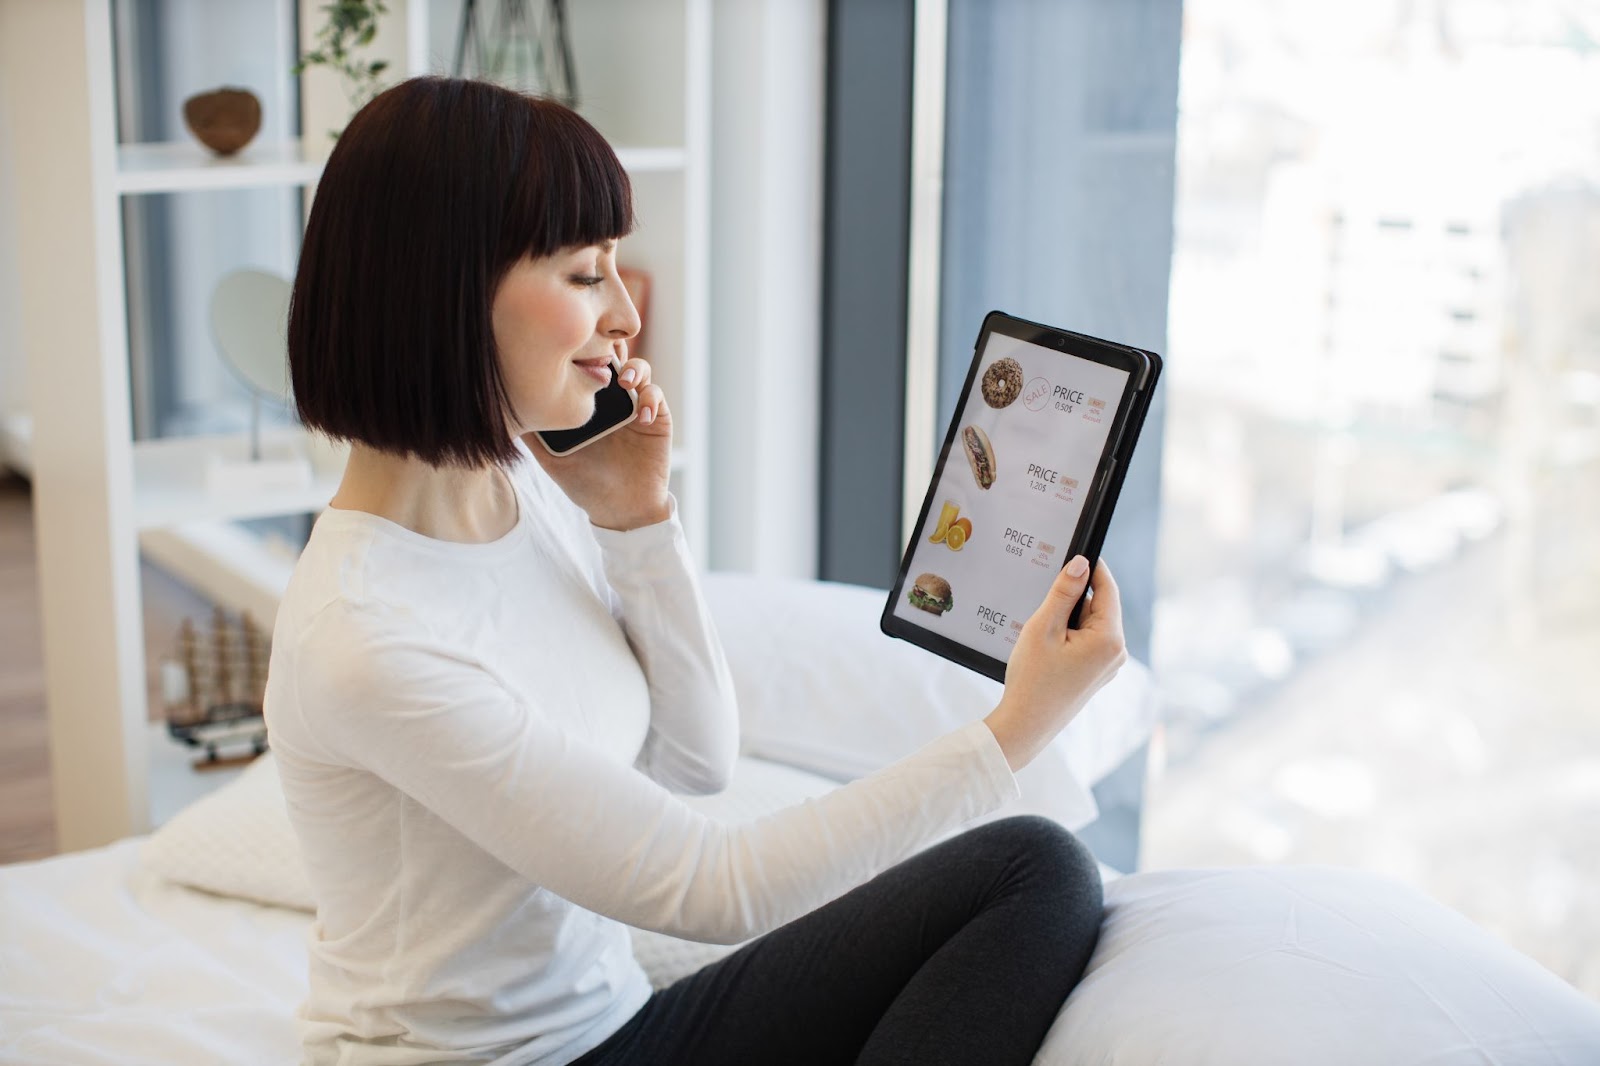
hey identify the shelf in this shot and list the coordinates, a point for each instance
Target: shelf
(174, 782)
(169, 475)
(185, 166)
(650, 160)
(236, 568)
(170, 478)
(180, 166)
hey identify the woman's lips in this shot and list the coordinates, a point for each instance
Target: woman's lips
(599, 369)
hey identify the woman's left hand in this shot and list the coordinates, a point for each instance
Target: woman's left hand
(621, 479)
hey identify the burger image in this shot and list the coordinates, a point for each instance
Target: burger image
(980, 455)
(931, 593)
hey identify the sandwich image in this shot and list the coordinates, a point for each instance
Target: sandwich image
(931, 593)
(980, 454)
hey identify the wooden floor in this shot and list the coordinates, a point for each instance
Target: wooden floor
(27, 817)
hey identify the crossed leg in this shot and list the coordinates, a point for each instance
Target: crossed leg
(962, 954)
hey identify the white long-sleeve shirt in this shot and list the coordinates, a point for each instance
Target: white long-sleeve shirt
(479, 745)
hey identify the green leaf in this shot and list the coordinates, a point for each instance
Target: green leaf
(349, 25)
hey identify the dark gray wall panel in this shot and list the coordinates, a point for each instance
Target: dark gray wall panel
(1061, 118)
(1060, 129)
(866, 219)
(1060, 133)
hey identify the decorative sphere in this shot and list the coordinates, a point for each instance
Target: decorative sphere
(223, 120)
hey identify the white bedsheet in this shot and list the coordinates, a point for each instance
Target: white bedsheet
(103, 962)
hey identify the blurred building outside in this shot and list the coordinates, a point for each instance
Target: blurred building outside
(1384, 428)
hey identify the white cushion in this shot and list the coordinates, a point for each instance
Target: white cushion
(1314, 966)
(820, 687)
(757, 787)
(236, 841)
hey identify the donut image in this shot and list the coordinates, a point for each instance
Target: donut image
(1002, 382)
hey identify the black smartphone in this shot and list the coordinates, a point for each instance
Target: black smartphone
(1028, 477)
(614, 407)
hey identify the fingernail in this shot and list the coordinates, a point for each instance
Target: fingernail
(1078, 567)
(628, 375)
(648, 416)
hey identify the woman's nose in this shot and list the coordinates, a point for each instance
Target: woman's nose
(622, 317)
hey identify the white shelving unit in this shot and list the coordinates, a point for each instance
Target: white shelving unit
(170, 478)
(171, 482)
(184, 166)
(645, 67)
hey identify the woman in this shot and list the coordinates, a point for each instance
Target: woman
(493, 669)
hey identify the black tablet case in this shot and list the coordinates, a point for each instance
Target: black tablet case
(1104, 498)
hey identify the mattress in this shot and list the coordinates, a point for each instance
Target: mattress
(104, 961)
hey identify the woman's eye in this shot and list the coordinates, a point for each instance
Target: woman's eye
(587, 279)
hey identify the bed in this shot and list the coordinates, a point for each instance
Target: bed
(188, 946)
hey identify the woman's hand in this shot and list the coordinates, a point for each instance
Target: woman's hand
(621, 479)
(1054, 670)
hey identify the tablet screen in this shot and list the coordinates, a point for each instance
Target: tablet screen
(1010, 492)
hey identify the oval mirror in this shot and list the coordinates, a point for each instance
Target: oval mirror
(250, 322)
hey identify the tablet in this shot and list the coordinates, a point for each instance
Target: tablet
(1028, 477)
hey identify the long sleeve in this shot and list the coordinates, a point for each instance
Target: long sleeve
(445, 731)
(694, 719)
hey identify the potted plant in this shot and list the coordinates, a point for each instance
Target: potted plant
(349, 29)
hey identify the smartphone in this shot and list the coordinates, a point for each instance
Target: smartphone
(614, 407)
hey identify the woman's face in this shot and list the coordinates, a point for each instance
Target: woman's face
(557, 323)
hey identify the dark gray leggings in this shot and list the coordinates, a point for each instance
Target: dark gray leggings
(961, 954)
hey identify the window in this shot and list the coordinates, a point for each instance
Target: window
(1378, 592)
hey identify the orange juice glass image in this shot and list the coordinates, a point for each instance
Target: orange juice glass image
(947, 515)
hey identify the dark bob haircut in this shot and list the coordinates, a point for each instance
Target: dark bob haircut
(435, 189)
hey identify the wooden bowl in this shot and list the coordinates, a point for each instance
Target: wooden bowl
(224, 120)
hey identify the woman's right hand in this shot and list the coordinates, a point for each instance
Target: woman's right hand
(1054, 670)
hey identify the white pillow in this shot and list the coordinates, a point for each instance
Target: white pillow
(757, 788)
(820, 687)
(1314, 966)
(236, 841)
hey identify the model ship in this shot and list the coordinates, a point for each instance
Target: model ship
(214, 694)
